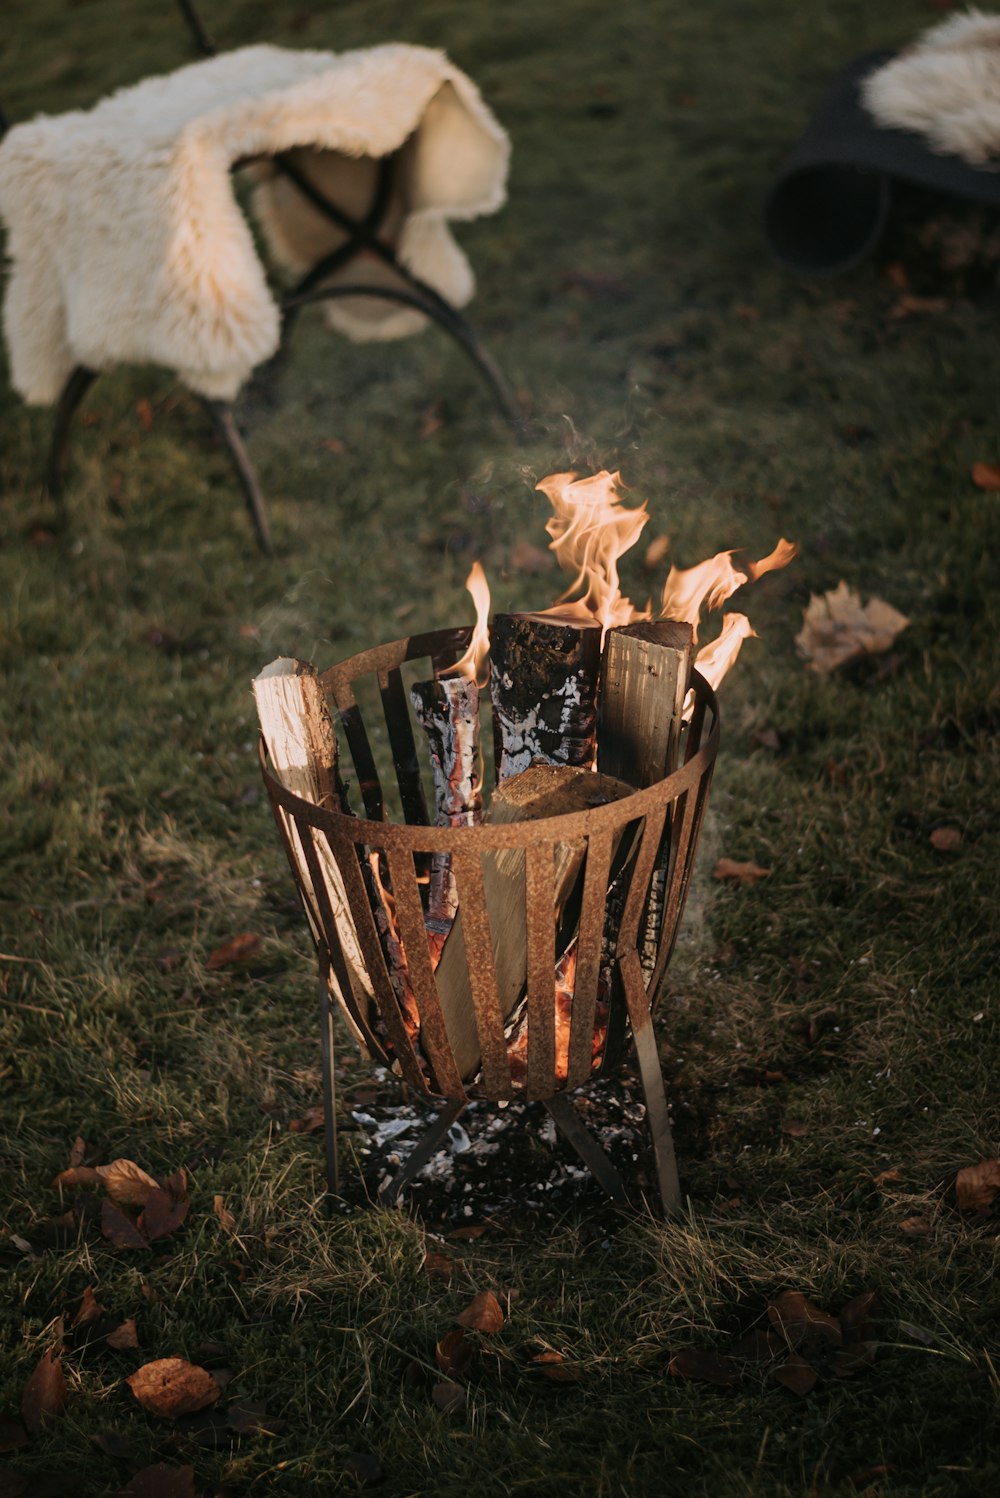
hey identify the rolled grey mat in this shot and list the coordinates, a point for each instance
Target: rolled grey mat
(829, 205)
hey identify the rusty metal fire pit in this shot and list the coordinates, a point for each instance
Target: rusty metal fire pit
(661, 824)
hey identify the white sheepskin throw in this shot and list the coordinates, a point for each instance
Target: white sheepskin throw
(127, 243)
(946, 87)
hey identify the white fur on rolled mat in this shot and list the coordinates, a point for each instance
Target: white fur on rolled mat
(946, 87)
(127, 243)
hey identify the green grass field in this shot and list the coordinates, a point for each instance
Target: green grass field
(825, 1025)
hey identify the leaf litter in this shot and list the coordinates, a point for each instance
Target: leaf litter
(837, 629)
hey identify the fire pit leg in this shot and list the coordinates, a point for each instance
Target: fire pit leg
(568, 1121)
(419, 1156)
(657, 1116)
(329, 1084)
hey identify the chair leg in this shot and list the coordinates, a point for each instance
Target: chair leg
(221, 413)
(419, 1156)
(73, 392)
(435, 307)
(569, 1123)
(329, 1085)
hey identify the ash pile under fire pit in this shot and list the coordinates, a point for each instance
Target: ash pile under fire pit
(507, 950)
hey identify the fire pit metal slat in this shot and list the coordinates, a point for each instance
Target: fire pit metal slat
(371, 852)
(538, 891)
(597, 869)
(410, 913)
(404, 748)
(467, 868)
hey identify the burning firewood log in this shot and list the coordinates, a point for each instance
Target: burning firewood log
(447, 709)
(543, 682)
(644, 681)
(540, 791)
(302, 746)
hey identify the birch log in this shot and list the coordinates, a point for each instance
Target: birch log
(302, 747)
(544, 673)
(447, 709)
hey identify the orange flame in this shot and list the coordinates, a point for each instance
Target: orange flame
(714, 660)
(473, 662)
(590, 530)
(783, 553)
(708, 585)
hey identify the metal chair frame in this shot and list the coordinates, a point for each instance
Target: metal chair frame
(363, 238)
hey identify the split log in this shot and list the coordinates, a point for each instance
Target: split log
(447, 709)
(302, 747)
(543, 681)
(540, 791)
(645, 672)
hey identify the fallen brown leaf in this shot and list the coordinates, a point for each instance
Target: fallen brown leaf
(800, 1321)
(946, 839)
(449, 1397)
(170, 1387)
(250, 1417)
(144, 411)
(432, 420)
(908, 305)
(745, 873)
(854, 1315)
(977, 1185)
(439, 1265)
(986, 475)
(836, 629)
(45, 1392)
(454, 1354)
(312, 1120)
(161, 1481)
(795, 1128)
(887, 1178)
(554, 1367)
(78, 1152)
(126, 1183)
(797, 1375)
(705, 1365)
(467, 1234)
(77, 1175)
(915, 1227)
(334, 445)
(759, 1345)
(90, 1309)
(12, 1434)
(235, 950)
(119, 1228)
(163, 1213)
(227, 1221)
(125, 1337)
(482, 1314)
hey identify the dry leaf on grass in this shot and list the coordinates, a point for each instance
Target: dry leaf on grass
(166, 1208)
(439, 1266)
(235, 950)
(744, 873)
(126, 1183)
(467, 1234)
(836, 628)
(977, 1185)
(449, 1397)
(800, 1321)
(454, 1354)
(482, 1314)
(170, 1387)
(946, 839)
(119, 1228)
(161, 1481)
(312, 1120)
(77, 1175)
(797, 1375)
(986, 475)
(706, 1366)
(915, 1227)
(45, 1392)
(555, 1368)
(124, 1337)
(78, 1152)
(887, 1178)
(227, 1221)
(90, 1309)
